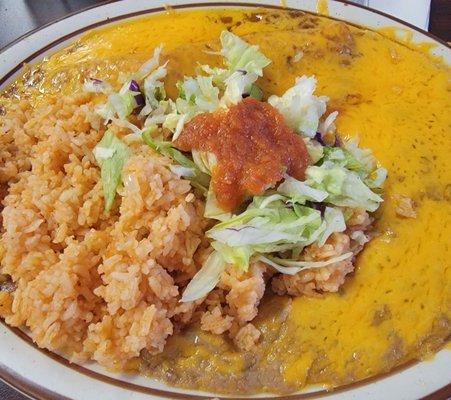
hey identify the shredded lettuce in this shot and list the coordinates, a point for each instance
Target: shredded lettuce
(178, 126)
(182, 171)
(213, 209)
(244, 64)
(218, 75)
(206, 161)
(197, 95)
(265, 201)
(256, 92)
(237, 256)
(127, 124)
(300, 192)
(334, 222)
(236, 85)
(107, 110)
(153, 89)
(111, 154)
(315, 150)
(240, 55)
(376, 178)
(205, 279)
(360, 237)
(256, 234)
(103, 153)
(97, 86)
(195, 175)
(165, 115)
(328, 124)
(292, 267)
(327, 177)
(359, 160)
(343, 158)
(278, 221)
(119, 104)
(147, 67)
(275, 223)
(301, 109)
(364, 157)
(269, 224)
(344, 187)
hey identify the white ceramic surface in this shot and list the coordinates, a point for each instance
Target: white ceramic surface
(37, 374)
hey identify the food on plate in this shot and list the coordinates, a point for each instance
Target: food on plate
(254, 193)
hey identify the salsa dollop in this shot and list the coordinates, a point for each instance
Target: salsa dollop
(253, 146)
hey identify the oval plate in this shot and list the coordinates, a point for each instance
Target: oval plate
(41, 374)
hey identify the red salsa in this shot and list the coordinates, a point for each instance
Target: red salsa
(253, 146)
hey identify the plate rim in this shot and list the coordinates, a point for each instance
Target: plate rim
(39, 392)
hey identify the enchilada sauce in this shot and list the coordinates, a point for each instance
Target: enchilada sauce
(253, 147)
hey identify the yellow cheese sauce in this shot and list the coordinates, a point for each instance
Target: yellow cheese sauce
(396, 306)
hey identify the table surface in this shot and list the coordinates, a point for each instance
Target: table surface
(35, 13)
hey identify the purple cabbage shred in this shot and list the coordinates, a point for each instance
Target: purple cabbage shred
(240, 229)
(139, 100)
(321, 207)
(134, 87)
(319, 139)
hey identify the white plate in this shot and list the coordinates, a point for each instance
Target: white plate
(43, 375)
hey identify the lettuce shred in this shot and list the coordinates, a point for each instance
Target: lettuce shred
(111, 154)
(301, 109)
